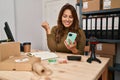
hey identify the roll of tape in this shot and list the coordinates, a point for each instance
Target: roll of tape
(38, 68)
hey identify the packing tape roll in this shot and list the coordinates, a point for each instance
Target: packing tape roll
(38, 68)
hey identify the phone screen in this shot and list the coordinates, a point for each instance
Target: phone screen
(71, 37)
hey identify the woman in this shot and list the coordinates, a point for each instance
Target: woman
(67, 22)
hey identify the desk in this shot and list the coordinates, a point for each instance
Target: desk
(73, 70)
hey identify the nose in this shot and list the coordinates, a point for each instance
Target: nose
(67, 18)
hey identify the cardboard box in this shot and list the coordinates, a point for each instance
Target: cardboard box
(91, 5)
(111, 61)
(8, 49)
(21, 63)
(110, 4)
(105, 48)
(115, 3)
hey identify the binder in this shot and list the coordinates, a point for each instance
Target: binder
(116, 21)
(116, 27)
(98, 27)
(119, 28)
(89, 24)
(93, 23)
(89, 27)
(109, 28)
(93, 27)
(84, 24)
(103, 28)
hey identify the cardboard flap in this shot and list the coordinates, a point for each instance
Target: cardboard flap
(8, 49)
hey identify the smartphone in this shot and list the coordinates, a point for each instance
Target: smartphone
(71, 37)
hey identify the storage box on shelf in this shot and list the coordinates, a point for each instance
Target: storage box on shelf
(91, 5)
(106, 50)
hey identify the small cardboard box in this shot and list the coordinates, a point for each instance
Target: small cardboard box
(8, 49)
(110, 4)
(105, 48)
(21, 63)
(91, 5)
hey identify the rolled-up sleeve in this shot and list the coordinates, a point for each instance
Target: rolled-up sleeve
(51, 40)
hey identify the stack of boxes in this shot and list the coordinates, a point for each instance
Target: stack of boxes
(11, 58)
(96, 5)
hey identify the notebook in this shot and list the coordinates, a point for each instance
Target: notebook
(44, 55)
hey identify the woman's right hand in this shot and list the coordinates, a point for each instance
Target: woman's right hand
(46, 26)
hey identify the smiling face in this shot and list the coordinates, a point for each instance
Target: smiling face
(67, 18)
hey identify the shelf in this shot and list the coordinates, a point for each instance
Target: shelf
(107, 41)
(102, 12)
(116, 67)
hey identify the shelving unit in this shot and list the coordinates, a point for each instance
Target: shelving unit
(102, 12)
(105, 36)
(108, 35)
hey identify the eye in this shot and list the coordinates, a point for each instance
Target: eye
(71, 17)
(64, 16)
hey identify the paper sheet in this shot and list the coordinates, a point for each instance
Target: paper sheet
(44, 55)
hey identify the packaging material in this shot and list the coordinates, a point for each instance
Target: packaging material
(40, 69)
(19, 63)
(105, 48)
(92, 5)
(8, 49)
(110, 4)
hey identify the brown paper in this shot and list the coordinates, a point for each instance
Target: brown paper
(40, 69)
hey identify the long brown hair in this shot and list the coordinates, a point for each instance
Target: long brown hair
(61, 29)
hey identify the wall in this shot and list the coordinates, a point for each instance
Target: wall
(7, 14)
(28, 20)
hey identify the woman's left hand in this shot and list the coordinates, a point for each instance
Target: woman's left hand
(71, 46)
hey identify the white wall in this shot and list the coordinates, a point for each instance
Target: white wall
(28, 21)
(7, 14)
